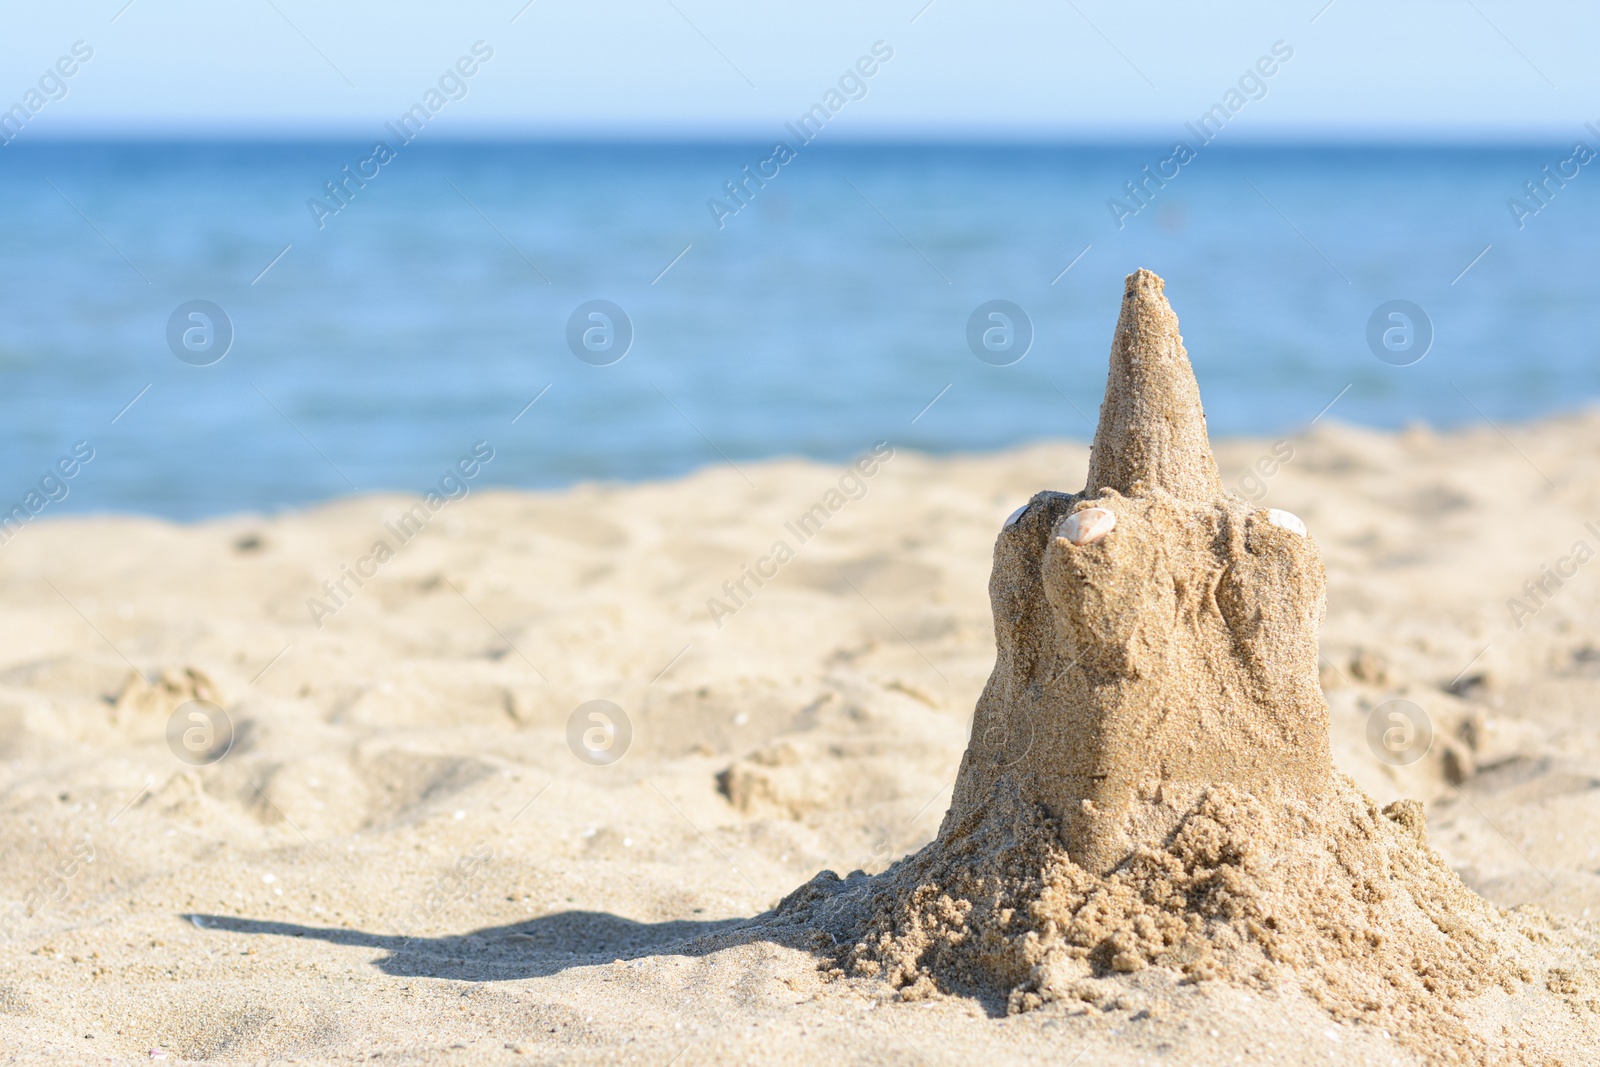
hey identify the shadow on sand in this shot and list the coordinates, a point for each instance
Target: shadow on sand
(535, 948)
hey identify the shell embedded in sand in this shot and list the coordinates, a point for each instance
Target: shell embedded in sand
(1288, 520)
(1011, 520)
(1087, 526)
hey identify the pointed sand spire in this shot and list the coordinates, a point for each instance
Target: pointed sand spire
(1152, 428)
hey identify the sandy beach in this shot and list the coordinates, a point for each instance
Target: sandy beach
(402, 857)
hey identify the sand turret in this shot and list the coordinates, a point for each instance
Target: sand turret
(1152, 431)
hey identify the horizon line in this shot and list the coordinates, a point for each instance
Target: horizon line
(1330, 138)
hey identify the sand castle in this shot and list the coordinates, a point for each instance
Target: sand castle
(1153, 633)
(1148, 781)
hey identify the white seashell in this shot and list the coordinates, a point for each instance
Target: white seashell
(1087, 526)
(1288, 520)
(1015, 515)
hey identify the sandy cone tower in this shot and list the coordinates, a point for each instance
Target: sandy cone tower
(1155, 634)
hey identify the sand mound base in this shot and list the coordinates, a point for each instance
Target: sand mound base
(1333, 896)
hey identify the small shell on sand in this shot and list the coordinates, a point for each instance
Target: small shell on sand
(1286, 519)
(1088, 525)
(1015, 515)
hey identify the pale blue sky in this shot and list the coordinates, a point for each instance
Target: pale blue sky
(961, 68)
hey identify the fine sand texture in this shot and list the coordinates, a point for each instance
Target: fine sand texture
(414, 851)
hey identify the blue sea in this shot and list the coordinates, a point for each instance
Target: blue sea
(446, 297)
